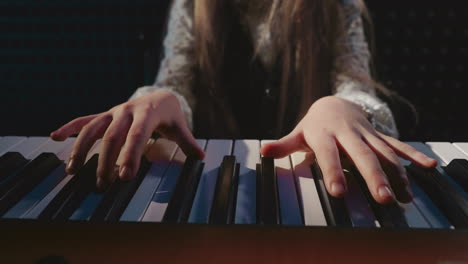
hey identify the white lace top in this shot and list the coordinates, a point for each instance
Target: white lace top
(176, 70)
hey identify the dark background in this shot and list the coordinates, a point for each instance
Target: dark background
(60, 59)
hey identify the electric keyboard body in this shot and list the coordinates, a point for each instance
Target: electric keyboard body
(233, 206)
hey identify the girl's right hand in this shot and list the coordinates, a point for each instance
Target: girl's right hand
(131, 123)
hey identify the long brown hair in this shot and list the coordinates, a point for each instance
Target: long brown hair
(305, 34)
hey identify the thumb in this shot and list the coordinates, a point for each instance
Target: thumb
(290, 143)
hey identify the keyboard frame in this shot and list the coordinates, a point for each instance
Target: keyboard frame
(26, 241)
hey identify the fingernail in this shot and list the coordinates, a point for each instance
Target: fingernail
(125, 173)
(337, 189)
(384, 192)
(71, 166)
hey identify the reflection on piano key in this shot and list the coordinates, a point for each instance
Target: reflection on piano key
(159, 202)
(335, 209)
(116, 198)
(7, 143)
(442, 193)
(247, 153)
(359, 210)
(37, 194)
(301, 198)
(433, 215)
(37, 210)
(441, 162)
(312, 209)
(446, 151)
(163, 152)
(28, 146)
(215, 152)
(51, 146)
(413, 216)
(87, 206)
(17, 186)
(288, 203)
(223, 206)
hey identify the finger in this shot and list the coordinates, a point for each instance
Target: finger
(184, 138)
(328, 158)
(85, 140)
(408, 152)
(137, 137)
(368, 165)
(396, 173)
(286, 145)
(71, 128)
(111, 144)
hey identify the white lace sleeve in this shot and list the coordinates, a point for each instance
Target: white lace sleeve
(176, 72)
(357, 57)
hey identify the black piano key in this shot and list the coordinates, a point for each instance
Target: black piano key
(458, 170)
(223, 207)
(26, 179)
(100, 213)
(258, 190)
(445, 196)
(71, 195)
(118, 196)
(335, 209)
(389, 215)
(180, 204)
(267, 194)
(11, 162)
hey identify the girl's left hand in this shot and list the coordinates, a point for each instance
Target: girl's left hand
(333, 124)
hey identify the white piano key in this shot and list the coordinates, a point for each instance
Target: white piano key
(446, 151)
(50, 146)
(37, 194)
(6, 143)
(36, 211)
(247, 154)
(64, 154)
(288, 199)
(162, 152)
(462, 146)
(358, 207)
(426, 149)
(215, 152)
(28, 146)
(312, 208)
(157, 207)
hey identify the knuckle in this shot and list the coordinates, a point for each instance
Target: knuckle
(136, 136)
(105, 117)
(111, 138)
(124, 108)
(364, 152)
(332, 172)
(146, 109)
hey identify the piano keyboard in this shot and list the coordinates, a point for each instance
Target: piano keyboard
(232, 185)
